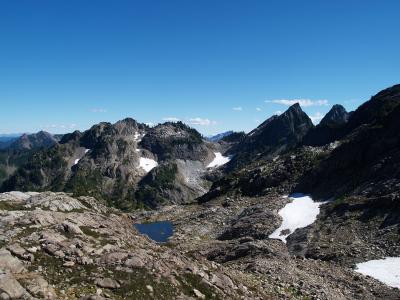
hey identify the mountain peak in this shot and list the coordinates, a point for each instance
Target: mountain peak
(274, 136)
(295, 106)
(34, 140)
(337, 115)
(219, 136)
(127, 121)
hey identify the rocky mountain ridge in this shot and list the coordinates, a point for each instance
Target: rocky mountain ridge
(357, 174)
(222, 232)
(276, 135)
(41, 139)
(110, 160)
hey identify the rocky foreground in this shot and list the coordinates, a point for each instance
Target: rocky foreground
(58, 247)
(54, 246)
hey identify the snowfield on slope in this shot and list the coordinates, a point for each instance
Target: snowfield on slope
(386, 270)
(218, 160)
(299, 213)
(147, 164)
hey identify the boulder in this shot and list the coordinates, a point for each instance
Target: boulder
(107, 283)
(10, 287)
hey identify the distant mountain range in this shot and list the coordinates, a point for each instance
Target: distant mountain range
(219, 136)
(7, 139)
(110, 167)
(25, 141)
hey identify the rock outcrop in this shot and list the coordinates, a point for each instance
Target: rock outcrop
(81, 249)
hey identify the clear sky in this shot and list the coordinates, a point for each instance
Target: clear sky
(217, 65)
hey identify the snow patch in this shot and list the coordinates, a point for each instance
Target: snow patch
(78, 159)
(147, 164)
(386, 270)
(138, 137)
(219, 160)
(299, 213)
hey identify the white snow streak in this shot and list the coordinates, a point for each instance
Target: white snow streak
(299, 213)
(219, 160)
(386, 270)
(78, 159)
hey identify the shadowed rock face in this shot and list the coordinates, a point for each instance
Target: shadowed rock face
(337, 115)
(330, 129)
(276, 135)
(368, 159)
(359, 173)
(338, 123)
(376, 109)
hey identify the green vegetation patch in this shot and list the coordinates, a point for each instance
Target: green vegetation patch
(7, 205)
(90, 232)
(78, 280)
(152, 187)
(192, 281)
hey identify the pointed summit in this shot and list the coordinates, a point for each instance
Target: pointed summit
(295, 107)
(274, 136)
(336, 116)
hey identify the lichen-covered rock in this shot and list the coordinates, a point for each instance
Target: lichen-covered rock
(70, 254)
(10, 288)
(107, 283)
(10, 263)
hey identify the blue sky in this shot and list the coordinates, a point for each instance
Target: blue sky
(217, 65)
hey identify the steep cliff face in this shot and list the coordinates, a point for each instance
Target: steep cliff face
(376, 109)
(336, 116)
(362, 177)
(366, 162)
(276, 135)
(331, 128)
